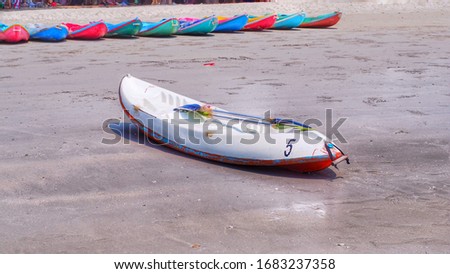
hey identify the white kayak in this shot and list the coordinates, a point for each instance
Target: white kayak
(215, 134)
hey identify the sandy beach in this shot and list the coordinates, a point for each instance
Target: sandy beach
(384, 67)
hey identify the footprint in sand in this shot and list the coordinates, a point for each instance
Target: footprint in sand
(416, 112)
(240, 58)
(233, 88)
(373, 101)
(165, 81)
(78, 68)
(274, 84)
(327, 99)
(362, 58)
(413, 54)
(293, 63)
(406, 96)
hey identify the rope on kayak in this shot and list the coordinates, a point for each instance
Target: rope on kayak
(335, 161)
(343, 154)
(208, 111)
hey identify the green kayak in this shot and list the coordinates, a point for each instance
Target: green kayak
(165, 27)
(125, 29)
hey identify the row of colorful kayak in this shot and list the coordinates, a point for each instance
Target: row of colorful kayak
(166, 27)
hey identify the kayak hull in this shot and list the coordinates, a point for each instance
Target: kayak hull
(257, 23)
(231, 24)
(125, 29)
(14, 34)
(49, 34)
(300, 165)
(288, 21)
(150, 108)
(322, 21)
(91, 31)
(193, 26)
(165, 27)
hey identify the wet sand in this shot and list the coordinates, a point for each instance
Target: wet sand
(63, 191)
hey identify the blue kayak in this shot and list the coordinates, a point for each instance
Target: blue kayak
(230, 24)
(48, 34)
(289, 21)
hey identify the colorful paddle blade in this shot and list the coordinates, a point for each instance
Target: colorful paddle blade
(190, 107)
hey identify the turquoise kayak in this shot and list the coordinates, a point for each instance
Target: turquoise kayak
(125, 29)
(165, 27)
(193, 26)
(288, 21)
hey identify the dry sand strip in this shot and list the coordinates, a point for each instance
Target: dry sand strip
(63, 190)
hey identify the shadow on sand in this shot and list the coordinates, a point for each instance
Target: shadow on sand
(157, 37)
(130, 132)
(315, 29)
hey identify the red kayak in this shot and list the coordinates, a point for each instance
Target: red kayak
(14, 34)
(260, 22)
(91, 31)
(322, 21)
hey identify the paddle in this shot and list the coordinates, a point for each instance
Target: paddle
(206, 110)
